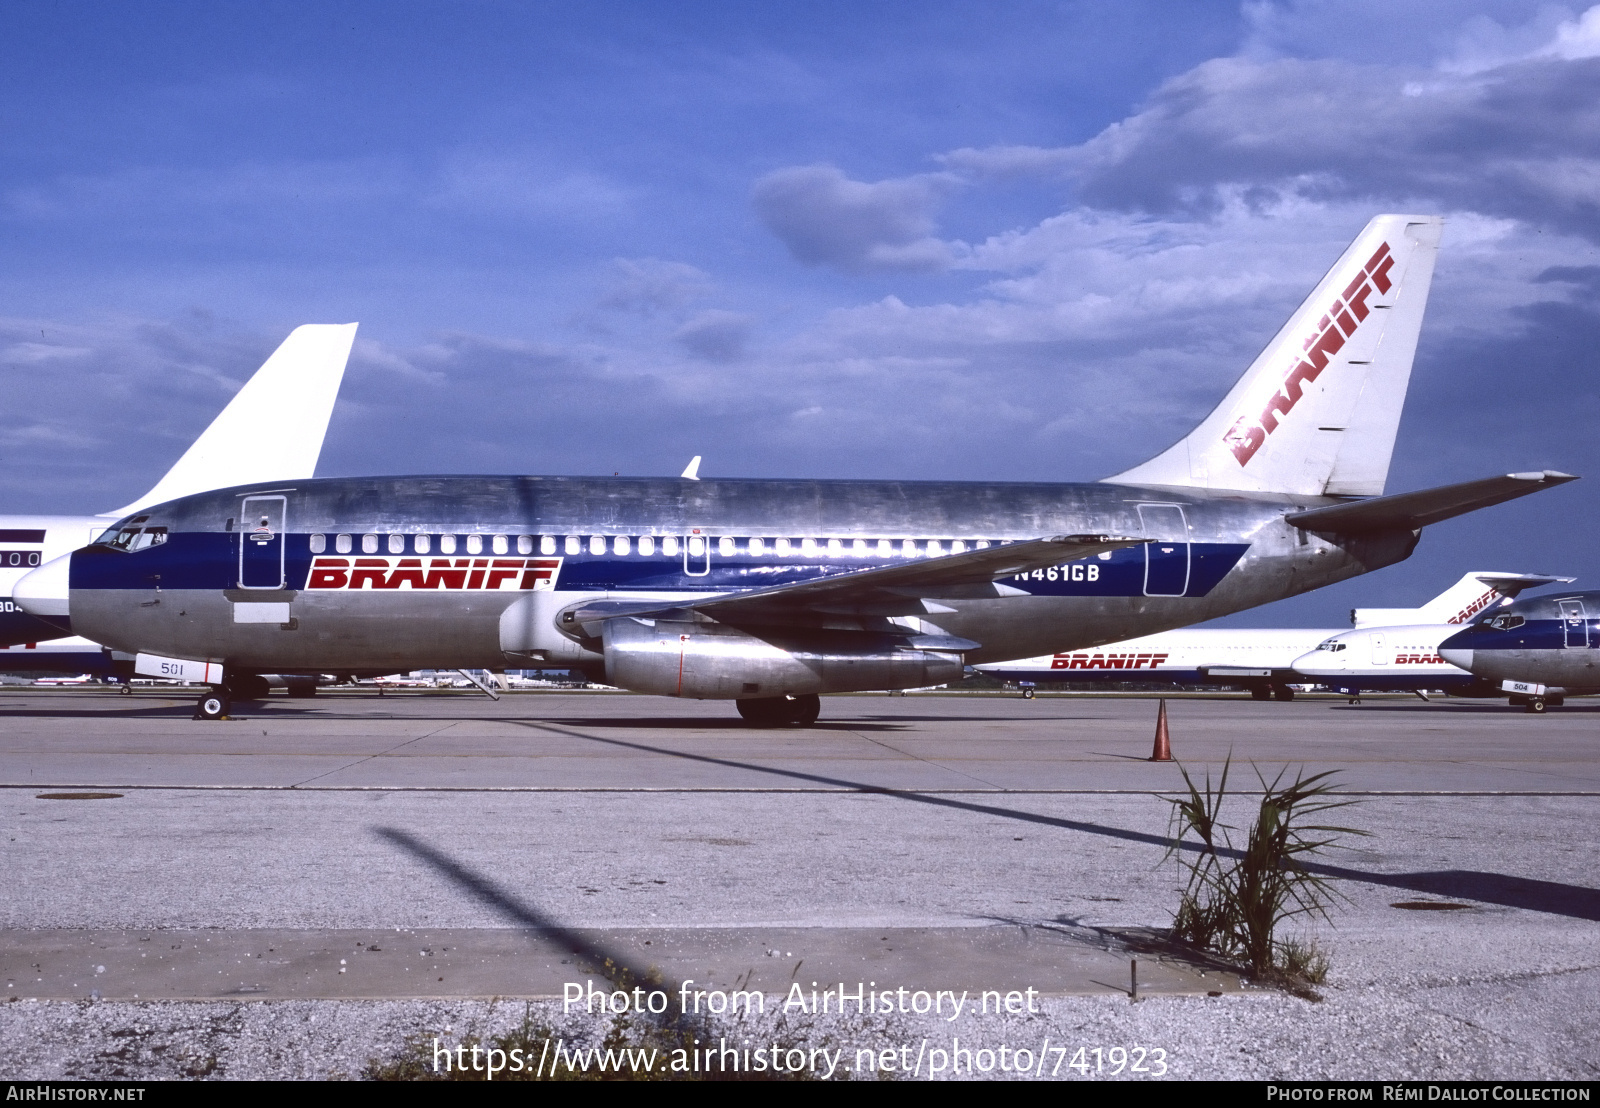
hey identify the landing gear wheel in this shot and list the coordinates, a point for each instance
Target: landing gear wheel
(1282, 692)
(1536, 704)
(1027, 694)
(125, 690)
(213, 705)
(804, 710)
(780, 711)
(1258, 692)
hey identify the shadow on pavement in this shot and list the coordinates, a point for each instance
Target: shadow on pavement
(1575, 901)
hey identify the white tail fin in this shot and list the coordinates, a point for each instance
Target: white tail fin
(272, 430)
(1316, 412)
(1457, 604)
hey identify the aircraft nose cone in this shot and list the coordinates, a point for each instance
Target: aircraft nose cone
(1312, 665)
(43, 592)
(1456, 656)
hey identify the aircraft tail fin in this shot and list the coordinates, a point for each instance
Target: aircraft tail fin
(272, 430)
(1317, 411)
(1475, 592)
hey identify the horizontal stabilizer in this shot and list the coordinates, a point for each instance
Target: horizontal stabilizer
(878, 589)
(1409, 511)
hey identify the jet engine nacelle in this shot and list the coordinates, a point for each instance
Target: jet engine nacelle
(709, 661)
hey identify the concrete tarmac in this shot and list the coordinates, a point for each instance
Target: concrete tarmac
(928, 842)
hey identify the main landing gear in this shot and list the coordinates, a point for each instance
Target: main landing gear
(781, 711)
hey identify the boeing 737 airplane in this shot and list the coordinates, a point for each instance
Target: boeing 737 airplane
(770, 592)
(272, 430)
(1538, 651)
(1267, 661)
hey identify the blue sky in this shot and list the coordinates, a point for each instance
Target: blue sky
(1029, 241)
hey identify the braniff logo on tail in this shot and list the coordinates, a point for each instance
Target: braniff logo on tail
(1336, 327)
(1317, 411)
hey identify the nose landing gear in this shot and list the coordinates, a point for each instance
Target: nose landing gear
(213, 705)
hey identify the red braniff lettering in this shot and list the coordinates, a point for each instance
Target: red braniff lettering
(1337, 326)
(440, 574)
(1107, 661)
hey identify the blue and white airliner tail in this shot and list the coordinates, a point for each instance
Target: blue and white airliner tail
(272, 430)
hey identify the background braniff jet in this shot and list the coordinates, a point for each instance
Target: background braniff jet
(1538, 651)
(772, 592)
(1267, 661)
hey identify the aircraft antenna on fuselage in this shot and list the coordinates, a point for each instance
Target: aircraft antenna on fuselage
(1317, 411)
(272, 430)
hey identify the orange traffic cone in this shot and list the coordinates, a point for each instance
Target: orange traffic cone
(1163, 748)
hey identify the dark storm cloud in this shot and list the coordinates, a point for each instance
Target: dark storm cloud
(1521, 140)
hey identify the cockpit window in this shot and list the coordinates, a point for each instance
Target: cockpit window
(1333, 645)
(1505, 623)
(130, 535)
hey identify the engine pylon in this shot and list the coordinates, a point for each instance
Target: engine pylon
(1163, 747)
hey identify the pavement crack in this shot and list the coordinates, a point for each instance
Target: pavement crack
(924, 761)
(370, 757)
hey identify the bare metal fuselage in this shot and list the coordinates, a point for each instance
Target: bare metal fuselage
(193, 594)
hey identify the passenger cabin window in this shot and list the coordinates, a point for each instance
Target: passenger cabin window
(341, 543)
(781, 546)
(421, 544)
(499, 544)
(369, 544)
(934, 549)
(597, 544)
(647, 546)
(524, 544)
(859, 548)
(808, 547)
(908, 548)
(885, 548)
(447, 544)
(397, 544)
(958, 547)
(835, 548)
(547, 544)
(757, 547)
(621, 545)
(669, 546)
(697, 545)
(474, 544)
(319, 543)
(574, 544)
(727, 547)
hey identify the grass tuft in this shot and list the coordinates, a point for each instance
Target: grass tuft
(1236, 899)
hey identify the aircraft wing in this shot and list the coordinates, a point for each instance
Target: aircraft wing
(1409, 511)
(888, 590)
